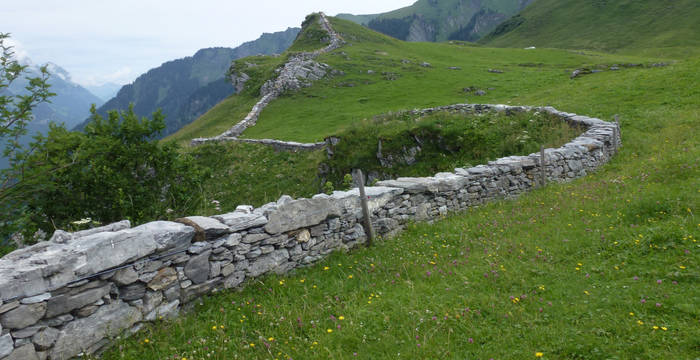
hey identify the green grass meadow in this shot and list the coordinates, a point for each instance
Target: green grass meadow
(604, 267)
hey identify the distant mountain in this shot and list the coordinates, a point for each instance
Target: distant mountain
(440, 20)
(603, 25)
(70, 106)
(186, 88)
(105, 91)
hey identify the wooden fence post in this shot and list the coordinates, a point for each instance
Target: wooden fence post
(543, 170)
(365, 208)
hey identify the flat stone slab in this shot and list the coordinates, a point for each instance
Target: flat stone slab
(38, 269)
(301, 213)
(212, 227)
(413, 185)
(83, 333)
(377, 197)
(238, 221)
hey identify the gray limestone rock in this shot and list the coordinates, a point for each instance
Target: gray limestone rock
(82, 334)
(163, 279)
(111, 249)
(23, 316)
(234, 280)
(65, 303)
(86, 311)
(36, 299)
(8, 306)
(238, 221)
(214, 269)
(27, 332)
(44, 339)
(63, 237)
(268, 262)
(228, 270)
(212, 228)
(38, 269)
(125, 276)
(132, 292)
(6, 345)
(59, 320)
(168, 235)
(25, 352)
(165, 311)
(233, 240)
(172, 293)
(197, 269)
(413, 185)
(199, 247)
(300, 213)
(194, 291)
(151, 300)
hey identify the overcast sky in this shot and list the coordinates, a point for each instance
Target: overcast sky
(116, 41)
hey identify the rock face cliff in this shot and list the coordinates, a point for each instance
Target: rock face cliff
(440, 20)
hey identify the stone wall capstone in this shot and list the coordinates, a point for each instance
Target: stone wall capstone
(70, 296)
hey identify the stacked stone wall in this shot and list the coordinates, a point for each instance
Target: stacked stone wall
(71, 295)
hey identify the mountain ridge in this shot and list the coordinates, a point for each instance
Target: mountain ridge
(441, 20)
(185, 88)
(624, 25)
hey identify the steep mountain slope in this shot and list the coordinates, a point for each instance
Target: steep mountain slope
(626, 25)
(70, 105)
(185, 88)
(440, 20)
(105, 91)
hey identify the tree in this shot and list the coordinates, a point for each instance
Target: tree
(116, 169)
(16, 109)
(15, 114)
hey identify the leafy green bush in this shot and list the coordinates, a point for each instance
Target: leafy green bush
(114, 170)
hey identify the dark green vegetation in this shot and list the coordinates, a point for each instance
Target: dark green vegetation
(114, 170)
(440, 20)
(186, 88)
(603, 267)
(252, 174)
(658, 28)
(404, 145)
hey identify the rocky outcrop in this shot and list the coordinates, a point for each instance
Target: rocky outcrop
(298, 72)
(62, 299)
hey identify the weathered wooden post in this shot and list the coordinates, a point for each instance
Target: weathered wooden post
(543, 170)
(365, 207)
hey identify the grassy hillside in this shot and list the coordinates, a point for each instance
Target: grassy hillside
(660, 28)
(604, 267)
(607, 266)
(397, 82)
(440, 20)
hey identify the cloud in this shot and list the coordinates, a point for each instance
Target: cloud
(20, 53)
(120, 76)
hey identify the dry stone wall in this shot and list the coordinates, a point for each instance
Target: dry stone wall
(298, 72)
(71, 295)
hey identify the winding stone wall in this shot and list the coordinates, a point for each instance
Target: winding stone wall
(71, 295)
